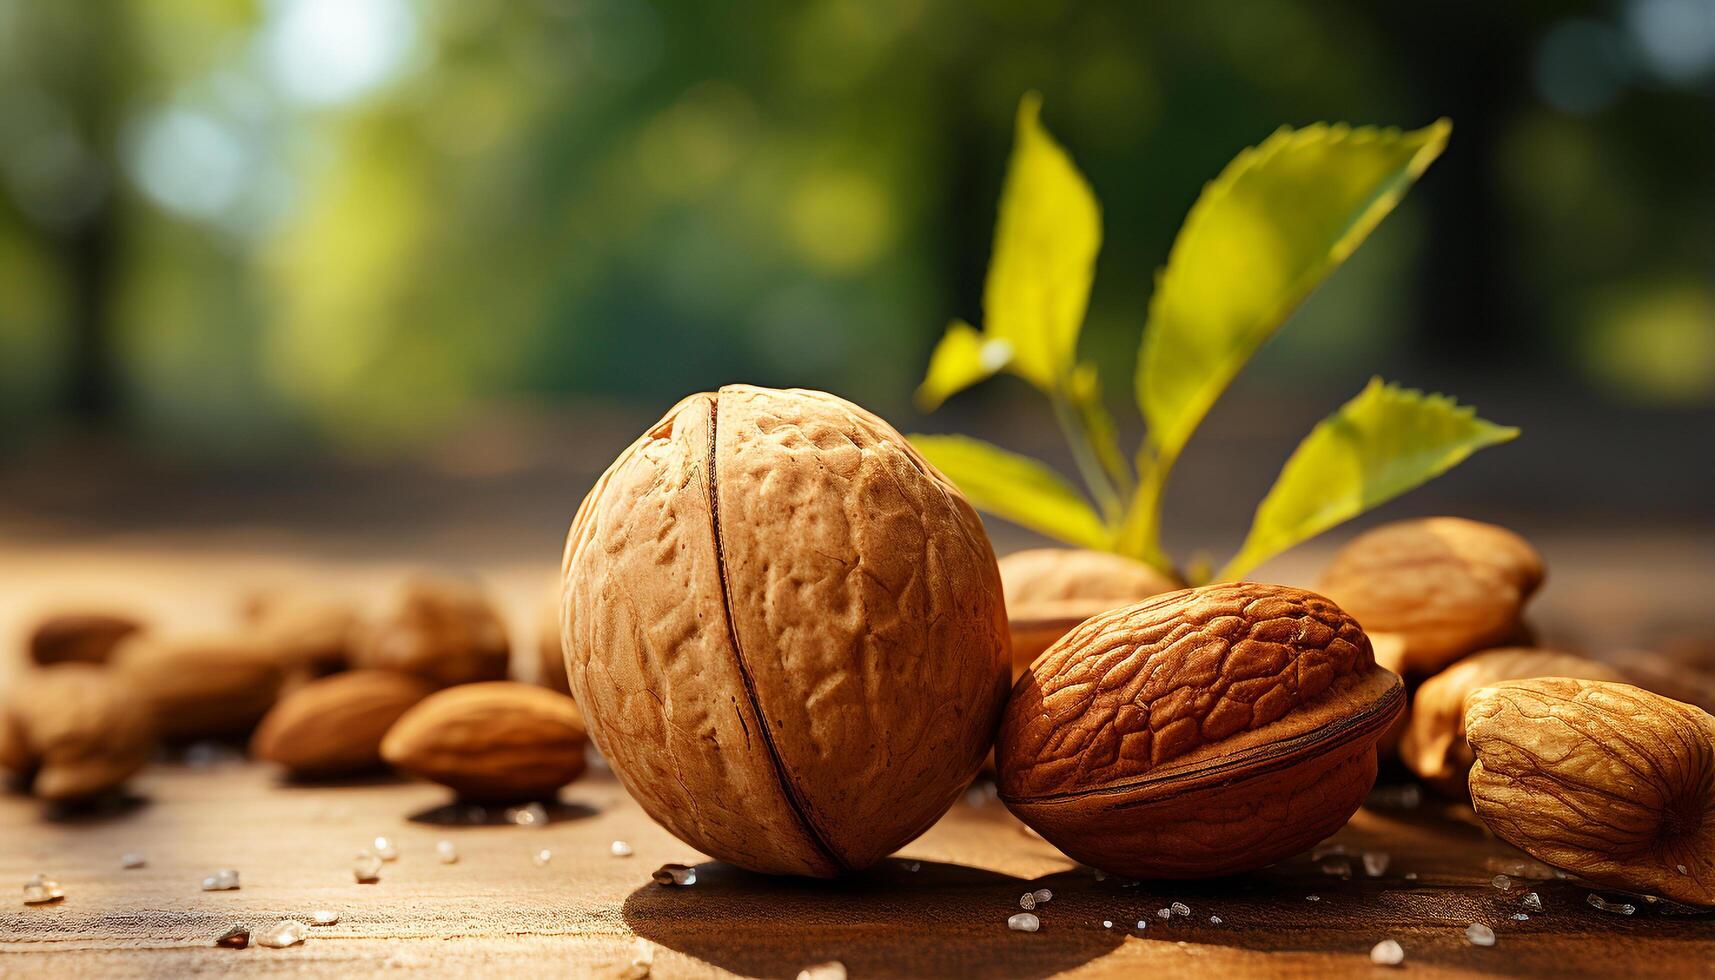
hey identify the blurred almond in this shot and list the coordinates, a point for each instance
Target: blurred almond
(499, 741)
(443, 630)
(313, 634)
(334, 726)
(71, 732)
(551, 657)
(201, 686)
(79, 637)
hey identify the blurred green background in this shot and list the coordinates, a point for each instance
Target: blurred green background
(254, 230)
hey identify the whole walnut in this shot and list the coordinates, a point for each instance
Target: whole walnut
(1050, 590)
(785, 629)
(80, 637)
(1198, 733)
(201, 686)
(443, 630)
(72, 731)
(1434, 744)
(1445, 585)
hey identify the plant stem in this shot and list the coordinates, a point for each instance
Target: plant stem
(1084, 455)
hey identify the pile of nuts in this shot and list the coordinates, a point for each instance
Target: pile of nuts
(316, 687)
(790, 638)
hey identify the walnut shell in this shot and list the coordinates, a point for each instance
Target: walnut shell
(1609, 781)
(1447, 586)
(1050, 590)
(443, 630)
(1197, 733)
(79, 637)
(786, 630)
(334, 726)
(1434, 744)
(205, 686)
(500, 741)
(73, 731)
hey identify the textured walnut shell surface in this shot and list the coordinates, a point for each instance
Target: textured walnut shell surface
(334, 726)
(80, 637)
(1447, 586)
(1434, 745)
(1608, 781)
(499, 740)
(1050, 590)
(443, 630)
(201, 686)
(1197, 733)
(786, 630)
(74, 730)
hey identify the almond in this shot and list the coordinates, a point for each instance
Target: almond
(72, 732)
(499, 741)
(201, 686)
(79, 637)
(444, 630)
(334, 726)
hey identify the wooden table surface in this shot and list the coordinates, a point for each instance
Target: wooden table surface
(939, 908)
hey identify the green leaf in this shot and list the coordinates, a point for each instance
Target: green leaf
(1260, 238)
(1024, 491)
(960, 360)
(1380, 444)
(1045, 242)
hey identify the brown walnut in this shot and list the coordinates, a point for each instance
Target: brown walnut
(333, 726)
(71, 731)
(443, 630)
(79, 637)
(500, 741)
(1434, 745)
(204, 686)
(1050, 590)
(1609, 781)
(1445, 585)
(785, 629)
(1197, 733)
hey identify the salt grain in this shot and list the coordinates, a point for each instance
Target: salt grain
(1375, 863)
(224, 880)
(529, 815)
(1141, 924)
(236, 937)
(324, 917)
(1622, 908)
(1180, 908)
(542, 857)
(1027, 901)
(1501, 881)
(131, 860)
(447, 852)
(1479, 935)
(1533, 901)
(1107, 923)
(1520, 917)
(1313, 898)
(831, 970)
(1023, 922)
(642, 960)
(1215, 920)
(675, 875)
(1164, 913)
(286, 932)
(1042, 895)
(1388, 952)
(619, 849)
(42, 890)
(366, 868)
(385, 850)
